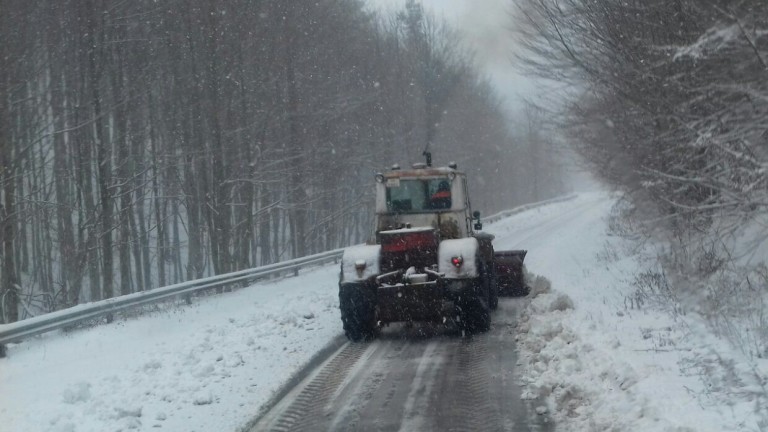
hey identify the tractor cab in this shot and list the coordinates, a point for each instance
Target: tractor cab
(424, 197)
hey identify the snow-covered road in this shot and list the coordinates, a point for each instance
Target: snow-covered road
(600, 364)
(425, 377)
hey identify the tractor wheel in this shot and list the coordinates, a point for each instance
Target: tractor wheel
(358, 312)
(474, 312)
(493, 288)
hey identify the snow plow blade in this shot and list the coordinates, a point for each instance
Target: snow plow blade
(510, 275)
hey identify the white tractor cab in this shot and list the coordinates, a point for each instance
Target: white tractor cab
(427, 260)
(424, 197)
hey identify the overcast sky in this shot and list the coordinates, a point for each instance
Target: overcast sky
(484, 24)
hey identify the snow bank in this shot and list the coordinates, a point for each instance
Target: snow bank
(605, 362)
(206, 367)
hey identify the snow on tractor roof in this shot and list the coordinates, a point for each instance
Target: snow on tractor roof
(422, 172)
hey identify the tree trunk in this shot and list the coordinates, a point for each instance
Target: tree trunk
(95, 40)
(9, 295)
(64, 225)
(124, 172)
(297, 195)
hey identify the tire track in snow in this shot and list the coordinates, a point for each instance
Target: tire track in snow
(406, 381)
(421, 388)
(309, 401)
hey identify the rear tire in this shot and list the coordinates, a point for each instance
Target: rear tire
(474, 315)
(493, 288)
(358, 311)
(474, 311)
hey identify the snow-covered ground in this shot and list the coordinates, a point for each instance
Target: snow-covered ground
(602, 361)
(205, 367)
(605, 359)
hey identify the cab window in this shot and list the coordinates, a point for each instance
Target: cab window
(417, 196)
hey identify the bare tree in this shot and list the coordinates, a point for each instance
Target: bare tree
(142, 146)
(9, 283)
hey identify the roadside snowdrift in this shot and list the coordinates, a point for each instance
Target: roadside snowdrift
(606, 360)
(205, 367)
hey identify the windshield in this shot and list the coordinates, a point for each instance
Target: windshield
(418, 195)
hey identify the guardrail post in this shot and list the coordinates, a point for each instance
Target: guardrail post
(3, 351)
(296, 271)
(110, 318)
(188, 298)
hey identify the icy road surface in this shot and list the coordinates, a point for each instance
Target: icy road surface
(420, 378)
(213, 365)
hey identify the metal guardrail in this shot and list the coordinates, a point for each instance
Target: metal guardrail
(19, 330)
(65, 318)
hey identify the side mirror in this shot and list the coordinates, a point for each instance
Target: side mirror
(478, 224)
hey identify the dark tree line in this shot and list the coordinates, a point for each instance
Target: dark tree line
(145, 142)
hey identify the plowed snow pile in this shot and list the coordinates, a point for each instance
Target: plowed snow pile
(606, 360)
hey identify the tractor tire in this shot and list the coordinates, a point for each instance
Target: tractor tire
(474, 312)
(493, 289)
(358, 312)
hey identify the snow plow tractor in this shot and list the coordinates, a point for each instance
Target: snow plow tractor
(428, 259)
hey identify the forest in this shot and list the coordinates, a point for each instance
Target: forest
(667, 101)
(146, 142)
